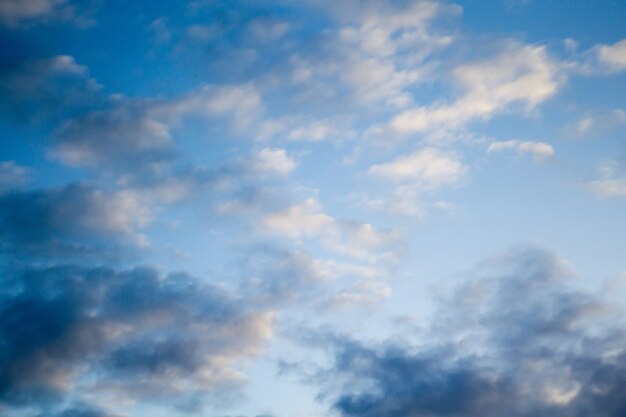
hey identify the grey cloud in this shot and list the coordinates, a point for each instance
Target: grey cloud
(516, 341)
(146, 336)
(44, 89)
(13, 175)
(137, 135)
(70, 220)
(21, 13)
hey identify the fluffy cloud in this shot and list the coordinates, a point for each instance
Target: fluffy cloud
(45, 88)
(538, 150)
(346, 237)
(521, 74)
(138, 133)
(70, 220)
(522, 342)
(613, 56)
(273, 161)
(426, 169)
(12, 175)
(147, 336)
(13, 12)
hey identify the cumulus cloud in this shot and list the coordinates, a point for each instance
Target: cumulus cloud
(45, 88)
(70, 220)
(520, 75)
(522, 342)
(346, 237)
(538, 150)
(613, 57)
(146, 336)
(273, 161)
(13, 175)
(138, 133)
(425, 170)
(14, 12)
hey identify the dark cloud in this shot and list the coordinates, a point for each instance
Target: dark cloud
(24, 13)
(44, 90)
(144, 335)
(136, 136)
(79, 411)
(70, 220)
(518, 341)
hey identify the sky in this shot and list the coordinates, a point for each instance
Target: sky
(312, 208)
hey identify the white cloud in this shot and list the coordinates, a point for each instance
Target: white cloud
(608, 187)
(345, 237)
(425, 169)
(377, 52)
(522, 74)
(362, 294)
(613, 56)
(595, 123)
(273, 161)
(611, 183)
(538, 150)
(300, 220)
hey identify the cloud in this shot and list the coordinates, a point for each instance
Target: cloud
(519, 75)
(45, 88)
(299, 220)
(538, 150)
(13, 175)
(137, 133)
(15, 12)
(70, 220)
(614, 187)
(516, 340)
(427, 168)
(613, 57)
(346, 237)
(592, 124)
(610, 183)
(148, 337)
(273, 161)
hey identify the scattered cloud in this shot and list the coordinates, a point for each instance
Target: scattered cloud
(273, 161)
(13, 175)
(542, 352)
(594, 123)
(613, 57)
(138, 133)
(538, 150)
(346, 237)
(45, 88)
(147, 336)
(425, 170)
(70, 220)
(519, 75)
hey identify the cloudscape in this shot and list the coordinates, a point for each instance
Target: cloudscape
(312, 208)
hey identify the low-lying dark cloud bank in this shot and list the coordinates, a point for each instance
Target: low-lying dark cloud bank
(516, 342)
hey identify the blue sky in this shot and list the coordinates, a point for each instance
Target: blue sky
(312, 208)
